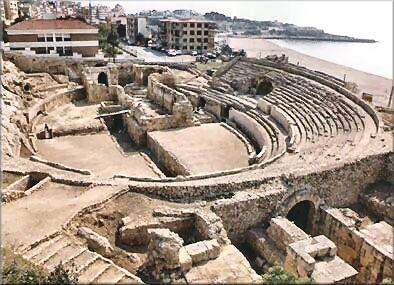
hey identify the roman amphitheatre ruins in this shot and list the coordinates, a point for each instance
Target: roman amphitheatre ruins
(141, 173)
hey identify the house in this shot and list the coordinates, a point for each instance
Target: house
(62, 37)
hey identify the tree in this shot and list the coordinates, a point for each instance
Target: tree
(139, 38)
(278, 275)
(113, 41)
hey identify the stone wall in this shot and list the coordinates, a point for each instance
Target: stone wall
(339, 186)
(166, 158)
(363, 246)
(56, 65)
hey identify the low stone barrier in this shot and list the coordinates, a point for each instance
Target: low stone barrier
(60, 166)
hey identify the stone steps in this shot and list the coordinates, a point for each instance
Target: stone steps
(87, 265)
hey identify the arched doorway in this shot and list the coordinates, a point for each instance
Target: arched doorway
(303, 215)
(201, 103)
(264, 87)
(102, 78)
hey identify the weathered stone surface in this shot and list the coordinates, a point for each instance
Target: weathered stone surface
(96, 242)
(203, 250)
(163, 252)
(185, 260)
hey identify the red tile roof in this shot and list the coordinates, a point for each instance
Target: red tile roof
(52, 24)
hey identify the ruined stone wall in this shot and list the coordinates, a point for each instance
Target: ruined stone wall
(166, 158)
(55, 65)
(366, 255)
(338, 187)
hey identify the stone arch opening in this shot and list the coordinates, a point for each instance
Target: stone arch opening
(264, 87)
(103, 78)
(201, 102)
(27, 87)
(303, 215)
(226, 112)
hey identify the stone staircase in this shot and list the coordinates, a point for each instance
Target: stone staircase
(89, 266)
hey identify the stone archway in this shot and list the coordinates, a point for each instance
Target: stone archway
(302, 202)
(102, 78)
(201, 102)
(303, 215)
(264, 87)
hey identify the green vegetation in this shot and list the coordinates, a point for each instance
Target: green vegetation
(387, 281)
(278, 275)
(16, 270)
(108, 40)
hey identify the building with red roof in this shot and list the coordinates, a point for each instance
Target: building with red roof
(63, 37)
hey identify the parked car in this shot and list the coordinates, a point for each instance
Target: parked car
(178, 52)
(171, 52)
(194, 53)
(211, 55)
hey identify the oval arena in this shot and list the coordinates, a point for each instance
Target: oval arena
(139, 172)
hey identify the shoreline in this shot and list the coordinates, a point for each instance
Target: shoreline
(301, 38)
(377, 85)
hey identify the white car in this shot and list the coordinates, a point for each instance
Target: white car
(194, 53)
(171, 52)
(178, 52)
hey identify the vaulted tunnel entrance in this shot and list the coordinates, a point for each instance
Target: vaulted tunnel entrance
(102, 78)
(303, 214)
(264, 87)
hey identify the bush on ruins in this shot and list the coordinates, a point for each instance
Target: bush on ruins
(16, 270)
(278, 275)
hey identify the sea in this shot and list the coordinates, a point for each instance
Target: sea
(375, 58)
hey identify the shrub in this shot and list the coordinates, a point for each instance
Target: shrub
(278, 275)
(16, 270)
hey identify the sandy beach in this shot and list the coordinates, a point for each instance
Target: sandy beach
(367, 82)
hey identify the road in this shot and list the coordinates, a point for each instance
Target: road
(149, 55)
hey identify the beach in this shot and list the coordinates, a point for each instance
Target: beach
(377, 85)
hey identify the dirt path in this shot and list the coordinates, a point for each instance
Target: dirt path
(29, 219)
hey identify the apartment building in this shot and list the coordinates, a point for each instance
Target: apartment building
(136, 25)
(10, 11)
(187, 34)
(62, 37)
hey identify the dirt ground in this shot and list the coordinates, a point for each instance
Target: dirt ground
(7, 178)
(71, 116)
(97, 153)
(43, 212)
(204, 149)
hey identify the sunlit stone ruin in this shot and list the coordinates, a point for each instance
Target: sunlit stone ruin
(141, 173)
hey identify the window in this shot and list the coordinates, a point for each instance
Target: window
(184, 40)
(41, 38)
(185, 32)
(192, 33)
(59, 50)
(205, 47)
(198, 33)
(199, 40)
(199, 47)
(185, 25)
(206, 25)
(59, 38)
(198, 25)
(205, 40)
(184, 47)
(39, 50)
(192, 40)
(16, 48)
(67, 37)
(49, 38)
(68, 51)
(205, 33)
(191, 25)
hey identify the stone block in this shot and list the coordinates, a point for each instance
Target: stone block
(185, 260)
(96, 242)
(203, 250)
